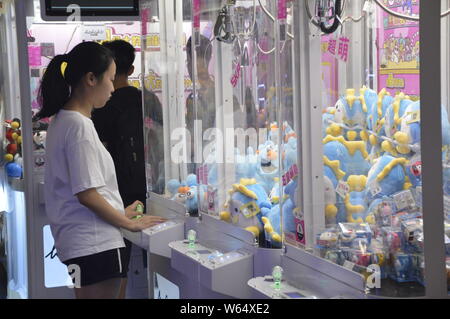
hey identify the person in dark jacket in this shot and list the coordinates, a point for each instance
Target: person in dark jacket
(120, 127)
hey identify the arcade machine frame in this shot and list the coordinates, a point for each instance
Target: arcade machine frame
(306, 274)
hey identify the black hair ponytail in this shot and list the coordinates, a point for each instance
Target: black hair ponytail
(54, 91)
(56, 88)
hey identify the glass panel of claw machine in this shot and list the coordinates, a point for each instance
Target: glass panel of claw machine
(237, 100)
(371, 143)
(445, 78)
(168, 87)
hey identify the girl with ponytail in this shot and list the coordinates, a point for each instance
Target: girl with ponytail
(82, 198)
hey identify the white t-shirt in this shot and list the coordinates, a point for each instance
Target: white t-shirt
(77, 161)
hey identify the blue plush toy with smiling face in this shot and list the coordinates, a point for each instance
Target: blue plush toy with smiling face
(247, 204)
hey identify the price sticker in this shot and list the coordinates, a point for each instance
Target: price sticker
(374, 187)
(413, 117)
(342, 189)
(404, 200)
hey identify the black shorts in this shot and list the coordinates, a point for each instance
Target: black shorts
(126, 257)
(100, 267)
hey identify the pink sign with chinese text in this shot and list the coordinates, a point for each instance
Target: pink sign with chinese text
(197, 7)
(282, 10)
(329, 70)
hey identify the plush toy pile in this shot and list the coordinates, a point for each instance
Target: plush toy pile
(373, 184)
(257, 197)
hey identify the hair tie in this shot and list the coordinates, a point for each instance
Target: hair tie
(63, 68)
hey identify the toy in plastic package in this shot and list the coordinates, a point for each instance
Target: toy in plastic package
(360, 243)
(418, 262)
(347, 239)
(404, 200)
(335, 256)
(402, 268)
(418, 196)
(398, 218)
(411, 229)
(350, 231)
(379, 256)
(386, 209)
(392, 238)
(413, 235)
(326, 240)
(361, 257)
(447, 207)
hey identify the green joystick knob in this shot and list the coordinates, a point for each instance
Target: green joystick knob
(191, 236)
(277, 275)
(140, 208)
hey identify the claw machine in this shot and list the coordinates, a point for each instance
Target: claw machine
(372, 194)
(221, 139)
(32, 33)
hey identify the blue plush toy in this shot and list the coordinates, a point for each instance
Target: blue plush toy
(185, 192)
(402, 268)
(275, 195)
(393, 120)
(351, 111)
(335, 159)
(245, 166)
(407, 140)
(267, 165)
(273, 134)
(370, 97)
(272, 230)
(356, 202)
(290, 207)
(290, 153)
(327, 121)
(272, 220)
(386, 177)
(351, 155)
(195, 194)
(375, 123)
(331, 209)
(394, 114)
(248, 203)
